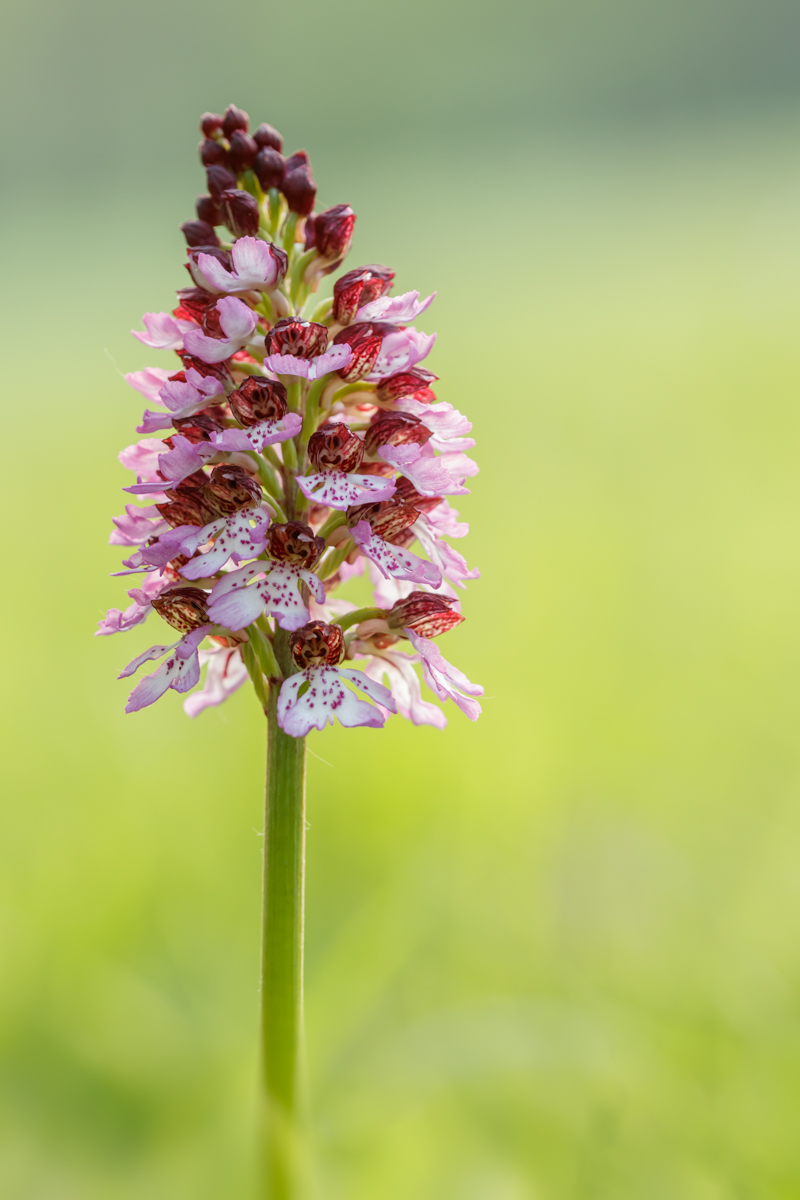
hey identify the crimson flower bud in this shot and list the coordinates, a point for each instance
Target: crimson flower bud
(309, 236)
(230, 487)
(235, 118)
(219, 179)
(213, 153)
(211, 322)
(426, 614)
(387, 519)
(333, 231)
(359, 287)
(364, 339)
(210, 123)
(242, 152)
(258, 400)
(406, 383)
(334, 447)
(183, 608)
(317, 645)
(299, 189)
(218, 370)
(298, 159)
(268, 168)
(207, 210)
(198, 428)
(199, 233)
(265, 135)
(394, 429)
(193, 304)
(302, 339)
(295, 543)
(240, 212)
(187, 506)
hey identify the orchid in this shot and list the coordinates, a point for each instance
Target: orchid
(295, 444)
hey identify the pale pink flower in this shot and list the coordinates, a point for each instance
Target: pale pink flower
(428, 474)
(451, 564)
(149, 381)
(136, 525)
(448, 426)
(256, 266)
(256, 437)
(236, 601)
(120, 622)
(397, 310)
(163, 331)
(400, 351)
(339, 490)
(403, 682)
(241, 535)
(394, 560)
(317, 696)
(238, 322)
(180, 671)
(225, 674)
(335, 359)
(184, 399)
(445, 680)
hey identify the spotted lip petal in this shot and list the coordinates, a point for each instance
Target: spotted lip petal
(236, 601)
(241, 535)
(445, 680)
(393, 560)
(325, 699)
(339, 490)
(180, 671)
(256, 437)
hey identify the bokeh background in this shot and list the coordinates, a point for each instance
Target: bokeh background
(555, 955)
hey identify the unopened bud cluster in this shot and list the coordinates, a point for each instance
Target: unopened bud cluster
(296, 443)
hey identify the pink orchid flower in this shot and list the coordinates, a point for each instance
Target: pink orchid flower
(238, 321)
(403, 681)
(394, 560)
(427, 473)
(239, 536)
(335, 359)
(399, 310)
(180, 671)
(317, 696)
(448, 426)
(136, 525)
(120, 622)
(400, 351)
(339, 489)
(450, 563)
(149, 382)
(163, 331)
(235, 604)
(256, 267)
(445, 680)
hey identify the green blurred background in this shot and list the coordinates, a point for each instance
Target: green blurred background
(555, 955)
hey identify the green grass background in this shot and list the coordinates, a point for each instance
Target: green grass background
(554, 955)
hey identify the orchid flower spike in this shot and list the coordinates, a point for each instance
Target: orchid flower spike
(291, 445)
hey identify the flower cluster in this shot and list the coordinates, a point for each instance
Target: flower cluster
(297, 445)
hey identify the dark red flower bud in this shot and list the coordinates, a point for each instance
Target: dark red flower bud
(213, 154)
(364, 339)
(258, 400)
(407, 383)
(298, 159)
(334, 447)
(359, 287)
(295, 543)
(193, 304)
(218, 370)
(239, 212)
(299, 189)
(309, 235)
(242, 152)
(406, 491)
(183, 608)
(207, 210)
(317, 645)
(211, 322)
(268, 168)
(235, 118)
(265, 135)
(394, 429)
(198, 428)
(302, 339)
(199, 233)
(426, 614)
(219, 179)
(230, 487)
(387, 519)
(333, 231)
(187, 507)
(210, 123)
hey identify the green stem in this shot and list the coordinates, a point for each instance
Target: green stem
(360, 614)
(282, 959)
